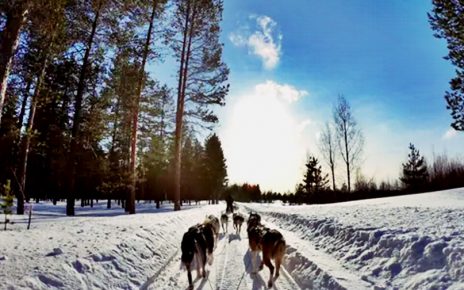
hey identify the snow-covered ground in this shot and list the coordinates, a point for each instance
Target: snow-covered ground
(406, 242)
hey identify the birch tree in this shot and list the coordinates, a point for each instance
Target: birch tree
(350, 139)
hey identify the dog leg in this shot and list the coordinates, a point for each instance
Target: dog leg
(204, 265)
(268, 263)
(198, 262)
(278, 262)
(189, 276)
(254, 257)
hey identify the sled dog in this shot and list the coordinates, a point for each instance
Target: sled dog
(270, 242)
(197, 244)
(238, 221)
(224, 222)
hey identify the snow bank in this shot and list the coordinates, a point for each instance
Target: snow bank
(98, 248)
(407, 242)
(413, 241)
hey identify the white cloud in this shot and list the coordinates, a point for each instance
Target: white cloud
(450, 133)
(263, 140)
(264, 42)
(285, 92)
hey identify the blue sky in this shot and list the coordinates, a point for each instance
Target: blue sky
(289, 60)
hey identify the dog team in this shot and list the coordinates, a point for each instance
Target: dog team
(199, 242)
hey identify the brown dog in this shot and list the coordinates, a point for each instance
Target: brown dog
(270, 242)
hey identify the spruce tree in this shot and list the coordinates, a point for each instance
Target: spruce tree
(216, 169)
(314, 180)
(447, 19)
(414, 173)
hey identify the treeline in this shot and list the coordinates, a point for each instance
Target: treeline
(416, 176)
(82, 118)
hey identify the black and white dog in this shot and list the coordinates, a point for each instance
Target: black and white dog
(198, 244)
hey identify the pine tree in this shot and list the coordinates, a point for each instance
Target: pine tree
(194, 39)
(414, 170)
(43, 43)
(216, 169)
(156, 8)
(447, 19)
(16, 13)
(314, 180)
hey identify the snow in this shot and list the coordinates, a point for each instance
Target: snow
(407, 242)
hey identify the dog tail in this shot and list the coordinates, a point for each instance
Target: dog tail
(279, 249)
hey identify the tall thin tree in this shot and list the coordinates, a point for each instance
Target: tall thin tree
(327, 146)
(202, 74)
(97, 9)
(135, 116)
(350, 139)
(16, 13)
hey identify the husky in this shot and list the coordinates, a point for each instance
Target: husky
(224, 222)
(214, 221)
(197, 244)
(238, 221)
(270, 242)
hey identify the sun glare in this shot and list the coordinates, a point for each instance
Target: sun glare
(262, 138)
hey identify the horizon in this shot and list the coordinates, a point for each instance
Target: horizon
(382, 57)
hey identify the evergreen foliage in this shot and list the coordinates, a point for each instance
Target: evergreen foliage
(215, 168)
(314, 180)
(447, 19)
(414, 175)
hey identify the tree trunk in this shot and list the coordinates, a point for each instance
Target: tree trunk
(28, 134)
(332, 170)
(332, 166)
(347, 158)
(184, 58)
(108, 204)
(178, 132)
(77, 115)
(22, 111)
(135, 117)
(15, 18)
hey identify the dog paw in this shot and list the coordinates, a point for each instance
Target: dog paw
(269, 284)
(190, 287)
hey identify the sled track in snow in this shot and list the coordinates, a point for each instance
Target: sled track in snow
(151, 279)
(229, 271)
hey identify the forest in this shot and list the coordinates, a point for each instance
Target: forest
(83, 119)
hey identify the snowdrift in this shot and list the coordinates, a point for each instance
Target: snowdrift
(405, 242)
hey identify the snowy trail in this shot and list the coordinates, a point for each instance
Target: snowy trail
(404, 242)
(230, 270)
(309, 267)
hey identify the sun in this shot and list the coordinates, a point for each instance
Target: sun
(262, 138)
